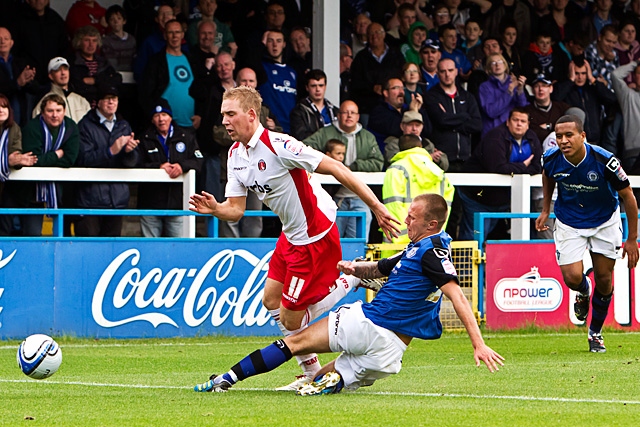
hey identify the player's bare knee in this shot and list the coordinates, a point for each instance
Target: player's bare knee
(290, 323)
(270, 303)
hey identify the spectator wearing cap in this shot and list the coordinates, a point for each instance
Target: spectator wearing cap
(584, 91)
(500, 93)
(543, 112)
(371, 67)
(168, 146)
(54, 140)
(77, 105)
(413, 124)
(430, 55)
(387, 115)
(17, 78)
(106, 141)
(89, 69)
(169, 75)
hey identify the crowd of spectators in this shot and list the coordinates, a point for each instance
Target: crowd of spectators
(451, 73)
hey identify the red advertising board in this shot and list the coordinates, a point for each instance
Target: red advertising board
(524, 287)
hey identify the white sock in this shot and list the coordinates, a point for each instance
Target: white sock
(308, 362)
(344, 284)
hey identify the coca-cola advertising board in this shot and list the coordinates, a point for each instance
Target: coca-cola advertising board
(126, 288)
(524, 287)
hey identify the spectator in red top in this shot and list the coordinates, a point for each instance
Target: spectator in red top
(86, 12)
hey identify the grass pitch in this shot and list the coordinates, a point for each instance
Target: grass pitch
(550, 379)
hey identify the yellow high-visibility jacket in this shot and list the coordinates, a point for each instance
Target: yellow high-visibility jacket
(412, 172)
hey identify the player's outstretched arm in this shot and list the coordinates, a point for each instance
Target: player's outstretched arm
(387, 222)
(362, 270)
(481, 352)
(231, 209)
(630, 248)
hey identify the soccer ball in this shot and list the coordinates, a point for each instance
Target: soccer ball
(39, 356)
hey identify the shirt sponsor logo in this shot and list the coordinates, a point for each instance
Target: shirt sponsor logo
(286, 87)
(529, 292)
(258, 188)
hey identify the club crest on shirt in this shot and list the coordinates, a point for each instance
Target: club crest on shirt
(180, 147)
(262, 165)
(412, 252)
(592, 176)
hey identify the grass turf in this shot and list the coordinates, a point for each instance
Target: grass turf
(549, 379)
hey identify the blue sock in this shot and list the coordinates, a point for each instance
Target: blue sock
(259, 362)
(584, 286)
(599, 309)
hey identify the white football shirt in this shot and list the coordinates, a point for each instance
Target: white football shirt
(278, 168)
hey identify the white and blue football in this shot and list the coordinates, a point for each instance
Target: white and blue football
(39, 356)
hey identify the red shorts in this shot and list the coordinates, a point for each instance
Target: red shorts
(308, 272)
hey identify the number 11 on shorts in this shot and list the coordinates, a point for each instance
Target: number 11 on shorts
(295, 287)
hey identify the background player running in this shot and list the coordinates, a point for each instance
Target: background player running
(589, 179)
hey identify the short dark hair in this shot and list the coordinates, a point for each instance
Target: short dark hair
(387, 85)
(489, 38)
(331, 144)
(519, 110)
(507, 23)
(405, 7)
(473, 21)
(171, 21)
(115, 9)
(435, 207)
(572, 118)
(406, 142)
(52, 98)
(315, 74)
(609, 28)
(446, 27)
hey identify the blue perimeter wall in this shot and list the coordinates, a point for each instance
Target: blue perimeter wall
(135, 288)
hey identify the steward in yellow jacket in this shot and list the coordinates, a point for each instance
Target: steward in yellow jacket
(412, 172)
